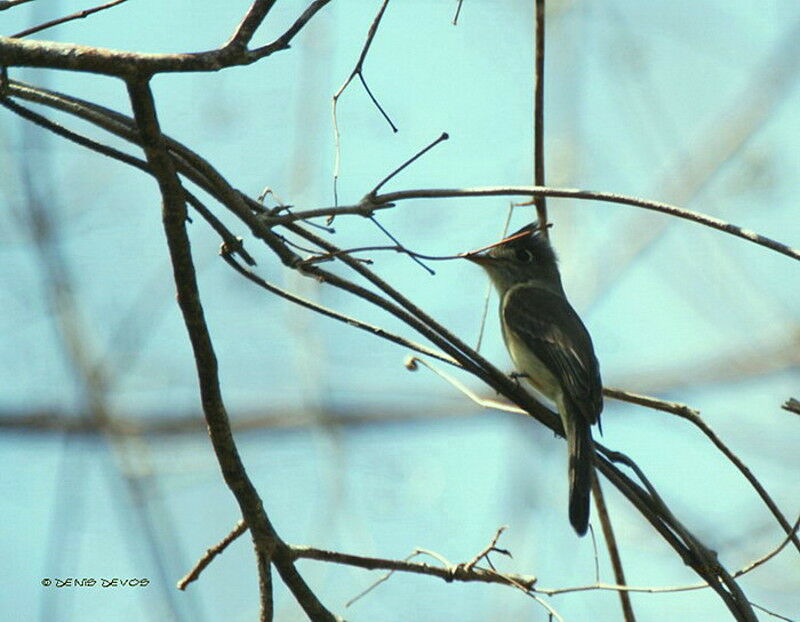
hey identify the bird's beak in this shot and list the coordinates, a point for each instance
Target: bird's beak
(478, 256)
(475, 257)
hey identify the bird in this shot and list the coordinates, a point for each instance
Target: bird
(549, 346)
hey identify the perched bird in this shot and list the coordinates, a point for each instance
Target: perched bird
(550, 347)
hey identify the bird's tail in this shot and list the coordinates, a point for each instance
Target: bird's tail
(581, 450)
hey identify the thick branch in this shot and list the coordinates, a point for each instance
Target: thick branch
(75, 57)
(174, 218)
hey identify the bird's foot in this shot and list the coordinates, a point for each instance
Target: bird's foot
(515, 376)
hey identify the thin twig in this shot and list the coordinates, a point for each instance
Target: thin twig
(613, 549)
(357, 71)
(411, 365)
(490, 548)
(675, 408)
(694, 417)
(384, 201)
(377, 582)
(444, 136)
(572, 193)
(538, 117)
(452, 572)
(282, 42)
(389, 235)
(671, 588)
(772, 613)
(458, 12)
(350, 321)
(210, 554)
(763, 560)
(67, 18)
(489, 286)
(10, 4)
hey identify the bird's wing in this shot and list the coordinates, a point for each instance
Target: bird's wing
(549, 327)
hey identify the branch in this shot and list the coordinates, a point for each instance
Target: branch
(67, 18)
(174, 217)
(250, 23)
(357, 71)
(75, 57)
(458, 572)
(613, 549)
(10, 4)
(350, 321)
(538, 117)
(210, 554)
(282, 42)
(693, 416)
(388, 198)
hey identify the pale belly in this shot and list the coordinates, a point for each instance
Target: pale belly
(537, 374)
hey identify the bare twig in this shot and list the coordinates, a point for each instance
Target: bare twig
(453, 572)
(694, 417)
(371, 196)
(66, 18)
(490, 548)
(608, 197)
(458, 12)
(384, 201)
(670, 588)
(252, 20)
(772, 613)
(390, 235)
(613, 549)
(10, 4)
(764, 559)
(675, 408)
(538, 117)
(210, 554)
(411, 365)
(489, 287)
(174, 218)
(357, 71)
(350, 321)
(124, 64)
(282, 42)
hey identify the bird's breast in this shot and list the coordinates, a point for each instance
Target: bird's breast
(529, 364)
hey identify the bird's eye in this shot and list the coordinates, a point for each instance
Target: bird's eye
(523, 255)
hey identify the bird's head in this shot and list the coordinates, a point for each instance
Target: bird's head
(523, 256)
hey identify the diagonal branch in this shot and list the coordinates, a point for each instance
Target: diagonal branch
(10, 4)
(252, 20)
(67, 18)
(174, 218)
